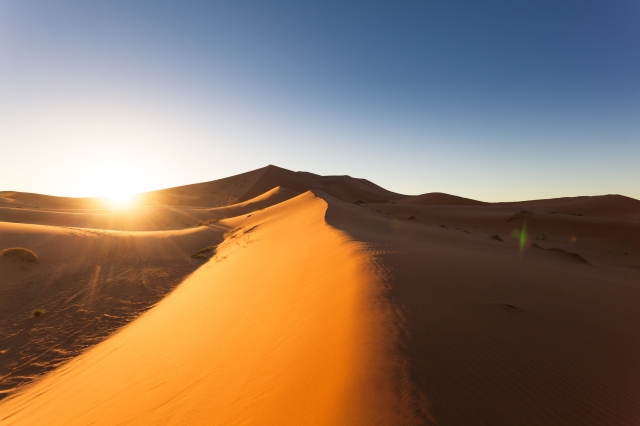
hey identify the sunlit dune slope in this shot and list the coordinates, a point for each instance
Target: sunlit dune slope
(92, 281)
(285, 325)
(88, 282)
(28, 200)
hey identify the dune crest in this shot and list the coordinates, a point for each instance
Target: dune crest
(286, 341)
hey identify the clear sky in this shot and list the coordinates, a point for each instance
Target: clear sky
(492, 100)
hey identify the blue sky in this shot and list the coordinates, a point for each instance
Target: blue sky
(495, 100)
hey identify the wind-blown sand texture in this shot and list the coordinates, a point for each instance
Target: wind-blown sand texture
(325, 300)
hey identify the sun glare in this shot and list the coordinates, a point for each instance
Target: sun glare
(116, 181)
(120, 200)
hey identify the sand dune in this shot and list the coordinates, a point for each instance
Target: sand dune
(141, 218)
(286, 341)
(439, 199)
(221, 192)
(89, 282)
(324, 300)
(609, 206)
(494, 335)
(344, 188)
(28, 200)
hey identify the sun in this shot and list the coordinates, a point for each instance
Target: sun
(121, 200)
(121, 197)
(117, 181)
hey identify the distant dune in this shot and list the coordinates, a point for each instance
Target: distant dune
(611, 206)
(439, 199)
(286, 298)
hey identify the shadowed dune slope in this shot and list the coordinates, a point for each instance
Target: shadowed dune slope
(610, 206)
(288, 340)
(344, 188)
(217, 193)
(497, 336)
(439, 199)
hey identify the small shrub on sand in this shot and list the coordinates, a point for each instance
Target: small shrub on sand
(20, 253)
(38, 312)
(202, 253)
(518, 215)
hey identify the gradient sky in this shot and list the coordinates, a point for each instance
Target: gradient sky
(495, 100)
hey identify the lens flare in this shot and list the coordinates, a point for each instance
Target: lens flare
(521, 236)
(522, 239)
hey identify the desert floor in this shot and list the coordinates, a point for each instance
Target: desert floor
(286, 298)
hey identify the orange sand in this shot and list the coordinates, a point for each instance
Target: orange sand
(344, 305)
